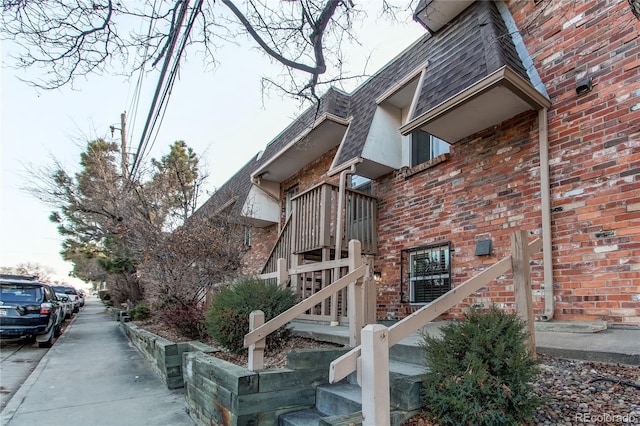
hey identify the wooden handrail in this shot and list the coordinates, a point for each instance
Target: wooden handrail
(287, 316)
(347, 363)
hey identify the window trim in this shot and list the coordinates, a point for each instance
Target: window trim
(405, 275)
(414, 142)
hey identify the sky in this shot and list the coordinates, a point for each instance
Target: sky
(219, 112)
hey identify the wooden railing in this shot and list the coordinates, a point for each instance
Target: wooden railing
(358, 301)
(281, 250)
(313, 221)
(377, 339)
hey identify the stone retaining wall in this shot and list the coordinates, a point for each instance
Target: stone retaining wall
(218, 392)
(164, 355)
(221, 393)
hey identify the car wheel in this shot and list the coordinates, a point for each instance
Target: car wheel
(47, 343)
(57, 330)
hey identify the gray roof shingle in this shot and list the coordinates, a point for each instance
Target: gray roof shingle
(472, 46)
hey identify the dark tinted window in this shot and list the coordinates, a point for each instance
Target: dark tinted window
(65, 290)
(20, 293)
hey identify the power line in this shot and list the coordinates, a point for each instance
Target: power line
(153, 111)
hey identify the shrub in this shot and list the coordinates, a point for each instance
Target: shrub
(228, 316)
(481, 372)
(187, 320)
(140, 312)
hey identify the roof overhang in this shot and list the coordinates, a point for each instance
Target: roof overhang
(326, 133)
(494, 99)
(435, 14)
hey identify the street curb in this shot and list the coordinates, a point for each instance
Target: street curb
(593, 356)
(19, 396)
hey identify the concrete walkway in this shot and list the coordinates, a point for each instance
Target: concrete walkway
(613, 345)
(93, 376)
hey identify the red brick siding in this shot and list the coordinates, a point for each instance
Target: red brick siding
(594, 150)
(489, 187)
(262, 243)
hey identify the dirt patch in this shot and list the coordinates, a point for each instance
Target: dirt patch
(272, 359)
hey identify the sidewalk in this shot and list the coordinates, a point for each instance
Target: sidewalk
(612, 345)
(93, 376)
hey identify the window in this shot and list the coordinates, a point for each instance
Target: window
(360, 183)
(425, 147)
(429, 272)
(248, 235)
(289, 195)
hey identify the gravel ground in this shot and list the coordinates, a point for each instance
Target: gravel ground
(578, 393)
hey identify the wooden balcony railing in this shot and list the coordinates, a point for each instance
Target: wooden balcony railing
(315, 214)
(313, 221)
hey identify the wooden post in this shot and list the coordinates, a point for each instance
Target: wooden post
(355, 296)
(283, 272)
(370, 293)
(375, 376)
(522, 284)
(256, 350)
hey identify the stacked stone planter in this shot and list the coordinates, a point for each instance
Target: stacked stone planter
(221, 393)
(164, 355)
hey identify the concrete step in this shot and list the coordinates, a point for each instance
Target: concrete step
(341, 404)
(338, 399)
(300, 418)
(407, 353)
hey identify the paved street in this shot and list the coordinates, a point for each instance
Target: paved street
(17, 360)
(93, 376)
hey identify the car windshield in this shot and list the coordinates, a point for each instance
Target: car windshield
(64, 290)
(20, 293)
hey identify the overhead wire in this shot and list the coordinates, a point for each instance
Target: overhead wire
(162, 109)
(153, 110)
(135, 100)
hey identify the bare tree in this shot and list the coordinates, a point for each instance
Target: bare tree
(43, 272)
(185, 265)
(69, 39)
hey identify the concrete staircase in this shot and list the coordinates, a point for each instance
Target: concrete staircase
(340, 404)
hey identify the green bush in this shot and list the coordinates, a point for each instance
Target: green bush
(228, 316)
(140, 312)
(481, 372)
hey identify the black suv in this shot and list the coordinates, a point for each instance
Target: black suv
(29, 309)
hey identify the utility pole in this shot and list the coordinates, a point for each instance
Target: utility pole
(123, 143)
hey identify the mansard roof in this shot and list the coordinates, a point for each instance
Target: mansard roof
(234, 192)
(473, 46)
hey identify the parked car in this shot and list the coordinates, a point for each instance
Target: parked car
(67, 306)
(29, 309)
(71, 293)
(82, 294)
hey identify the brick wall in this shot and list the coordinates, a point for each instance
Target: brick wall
(594, 150)
(265, 238)
(262, 243)
(488, 187)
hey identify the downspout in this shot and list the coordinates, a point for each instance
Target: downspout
(545, 194)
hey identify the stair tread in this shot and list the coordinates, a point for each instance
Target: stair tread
(304, 417)
(406, 368)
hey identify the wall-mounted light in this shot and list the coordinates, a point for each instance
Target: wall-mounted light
(377, 276)
(483, 248)
(584, 86)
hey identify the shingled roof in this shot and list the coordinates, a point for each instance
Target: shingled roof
(472, 46)
(234, 192)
